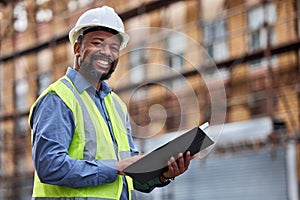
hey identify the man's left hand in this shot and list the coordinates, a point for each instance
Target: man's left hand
(179, 167)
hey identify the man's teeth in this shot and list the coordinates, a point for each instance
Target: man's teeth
(103, 62)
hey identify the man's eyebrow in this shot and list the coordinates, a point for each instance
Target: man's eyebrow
(98, 38)
(103, 39)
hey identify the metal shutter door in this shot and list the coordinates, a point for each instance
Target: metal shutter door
(252, 175)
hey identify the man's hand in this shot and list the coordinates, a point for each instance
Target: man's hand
(121, 165)
(179, 167)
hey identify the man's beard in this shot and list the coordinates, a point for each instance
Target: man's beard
(89, 69)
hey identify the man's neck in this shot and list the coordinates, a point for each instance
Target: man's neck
(96, 84)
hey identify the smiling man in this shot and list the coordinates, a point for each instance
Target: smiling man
(100, 53)
(80, 127)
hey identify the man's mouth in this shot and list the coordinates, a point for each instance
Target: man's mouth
(103, 62)
(99, 68)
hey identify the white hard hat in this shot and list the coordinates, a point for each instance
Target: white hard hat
(99, 17)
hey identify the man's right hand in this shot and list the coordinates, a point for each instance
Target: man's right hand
(121, 165)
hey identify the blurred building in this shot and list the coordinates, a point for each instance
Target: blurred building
(234, 63)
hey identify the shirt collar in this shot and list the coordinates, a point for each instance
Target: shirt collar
(82, 84)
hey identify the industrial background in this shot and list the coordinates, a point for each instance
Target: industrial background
(254, 45)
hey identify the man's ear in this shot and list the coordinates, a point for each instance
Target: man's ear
(76, 49)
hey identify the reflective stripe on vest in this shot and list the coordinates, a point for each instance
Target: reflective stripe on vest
(90, 147)
(91, 140)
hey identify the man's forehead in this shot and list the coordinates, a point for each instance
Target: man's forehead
(103, 35)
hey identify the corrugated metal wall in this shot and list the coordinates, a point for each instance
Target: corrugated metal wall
(251, 175)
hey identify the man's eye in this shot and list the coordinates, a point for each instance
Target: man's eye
(115, 49)
(97, 43)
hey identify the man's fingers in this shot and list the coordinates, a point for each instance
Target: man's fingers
(181, 162)
(187, 159)
(174, 164)
(175, 168)
(121, 165)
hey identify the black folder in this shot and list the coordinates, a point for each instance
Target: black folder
(156, 162)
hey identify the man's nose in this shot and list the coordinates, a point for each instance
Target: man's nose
(105, 50)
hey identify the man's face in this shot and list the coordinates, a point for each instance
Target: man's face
(99, 55)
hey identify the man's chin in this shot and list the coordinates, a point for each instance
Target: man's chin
(97, 75)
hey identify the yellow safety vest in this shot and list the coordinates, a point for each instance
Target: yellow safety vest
(91, 140)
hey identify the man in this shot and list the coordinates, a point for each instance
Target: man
(80, 128)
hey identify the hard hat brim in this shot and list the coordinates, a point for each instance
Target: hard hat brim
(77, 31)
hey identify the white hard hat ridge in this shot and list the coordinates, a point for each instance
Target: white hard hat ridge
(99, 17)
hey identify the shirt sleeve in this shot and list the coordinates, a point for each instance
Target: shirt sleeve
(52, 125)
